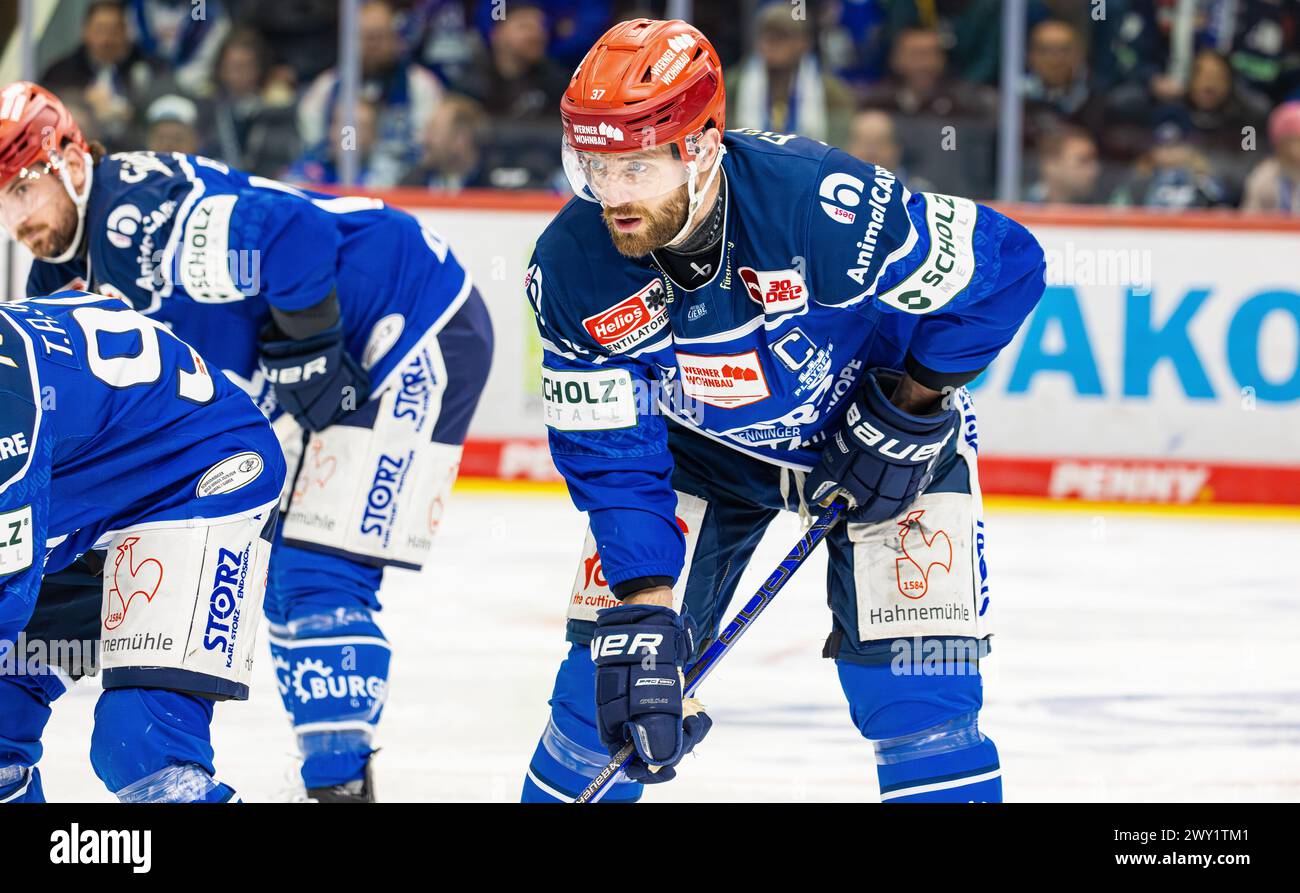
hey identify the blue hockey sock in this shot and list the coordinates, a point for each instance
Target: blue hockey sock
(925, 731)
(964, 769)
(569, 754)
(177, 783)
(153, 746)
(332, 670)
(20, 784)
(25, 700)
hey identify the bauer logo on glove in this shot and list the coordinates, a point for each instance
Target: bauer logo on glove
(883, 457)
(312, 376)
(639, 652)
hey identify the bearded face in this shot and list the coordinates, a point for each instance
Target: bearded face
(36, 210)
(644, 194)
(639, 228)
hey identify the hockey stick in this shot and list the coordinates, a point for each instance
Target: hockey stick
(696, 673)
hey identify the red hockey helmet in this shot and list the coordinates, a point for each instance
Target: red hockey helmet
(644, 84)
(36, 130)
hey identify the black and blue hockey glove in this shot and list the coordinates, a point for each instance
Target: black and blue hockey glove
(315, 379)
(883, 457)
(639, 652)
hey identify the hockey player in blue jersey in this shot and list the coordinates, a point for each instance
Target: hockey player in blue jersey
(354, 328)
(740, 323)
(121, 445)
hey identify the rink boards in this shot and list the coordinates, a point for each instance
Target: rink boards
(1162, 365)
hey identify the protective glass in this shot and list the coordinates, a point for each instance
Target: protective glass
(623, 178)
(25, 194)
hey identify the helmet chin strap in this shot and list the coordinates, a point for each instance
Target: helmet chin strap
(696, 196)
(80, 202)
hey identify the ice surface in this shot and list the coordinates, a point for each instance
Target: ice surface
(1138, 657)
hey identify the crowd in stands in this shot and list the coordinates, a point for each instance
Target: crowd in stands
(1145, 103)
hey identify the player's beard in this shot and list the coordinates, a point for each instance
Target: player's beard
(52, 240)
(657, 227)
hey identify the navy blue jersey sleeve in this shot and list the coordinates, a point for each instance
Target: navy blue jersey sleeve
(297, 245)
(607, 439)
(968, 273)
(1006, 281)
(25, 464)
(46, 278)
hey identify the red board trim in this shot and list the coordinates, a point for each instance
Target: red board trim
(1082, 479)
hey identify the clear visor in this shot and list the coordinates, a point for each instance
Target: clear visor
(624, 178)
(24, 195)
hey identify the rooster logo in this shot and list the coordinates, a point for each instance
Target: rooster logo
(437, 507)
(321, 468)
(131, 577)
(920, 555)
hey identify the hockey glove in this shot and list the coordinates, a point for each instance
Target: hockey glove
(315, 379)
(639, 652)
(883, 457)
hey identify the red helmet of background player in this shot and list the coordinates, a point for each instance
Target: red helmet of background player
(34, 129)
(645, 83)
(36, 133)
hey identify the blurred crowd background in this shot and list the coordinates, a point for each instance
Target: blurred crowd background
(1153, 103)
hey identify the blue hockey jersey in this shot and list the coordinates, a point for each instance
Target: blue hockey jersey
(208, 250)
(829, 267)
(110, 421)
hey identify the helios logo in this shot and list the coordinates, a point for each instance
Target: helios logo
(841, 192)
(631, 321)
(90, 847)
